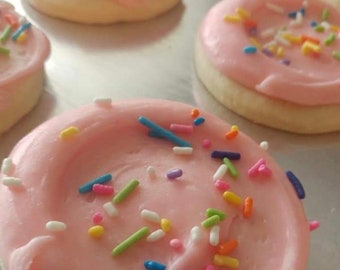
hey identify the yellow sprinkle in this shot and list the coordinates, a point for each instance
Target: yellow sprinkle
(255, 42)
(308, 47)
(292, 38)
(96, 231)
(234, 127)
(232, 198)
(241, 12)
(21, 38)
(68, 132)
(280, 51)
(227, 261)
(335, 28)
(165, 225)
(232, 18)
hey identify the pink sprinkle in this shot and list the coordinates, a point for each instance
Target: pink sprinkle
(254, 170)
(102, 189)
(313, 225)
(97, 218)
(206, 143)
(176, 244)
(264, 170)
(222, 185)
(210, 267)
(181, 128)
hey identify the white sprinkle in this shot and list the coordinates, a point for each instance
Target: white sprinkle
(282, 40)
(151, 171)
(11, 181)
(156, 235)
(7, 166)
(298, 20)
(220, 172)
(269, 44)
(214, 236)
(55, 226)
(182, 150)
(195, 234)
(110, 210)
(150, 216)
(102, 101)
(325, 24)
(269, 32)
(264, 145)
(275, 8)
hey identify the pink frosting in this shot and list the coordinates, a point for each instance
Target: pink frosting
(111, 140)
(307, 80)
(24, 58)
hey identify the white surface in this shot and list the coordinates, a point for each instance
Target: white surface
(154, 59)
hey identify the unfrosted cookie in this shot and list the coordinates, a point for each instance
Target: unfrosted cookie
(23, 51)
(276, 63)
(103, 11)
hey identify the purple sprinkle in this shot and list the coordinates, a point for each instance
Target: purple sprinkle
(267, 52)
(296, 184)
(225, 154)
(313, 23)
(174, 173)
(285, 62)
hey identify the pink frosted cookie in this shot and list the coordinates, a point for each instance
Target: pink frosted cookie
(134, 184)
(23, 51)
(103, 11)
(275, 62)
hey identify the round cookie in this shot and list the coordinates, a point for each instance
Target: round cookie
(144, 182)
(23, 51)
(275, 63)
(103, 11)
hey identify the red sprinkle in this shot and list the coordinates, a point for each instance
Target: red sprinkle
(102, 189)
(222, 185)
(313, 225)
(12, 20)
(97, 218)
(250, 24)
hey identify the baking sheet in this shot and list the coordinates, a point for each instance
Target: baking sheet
(154, 59)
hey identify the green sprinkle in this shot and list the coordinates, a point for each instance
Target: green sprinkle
(336, 55)
(231, 168)
(212, 212)
(5, 34)
(132, 239)
(4, 50)
(121, 195)
(325, 14)
(319, 28)
(211, 221)
(330, 39)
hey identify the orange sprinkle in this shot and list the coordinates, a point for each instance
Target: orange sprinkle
(12, 20)
(231, 134)
(248, 207)
(309, 38)
(22, 37)
(227, 247)
(249, 23)
(195, 113)
(335, 28)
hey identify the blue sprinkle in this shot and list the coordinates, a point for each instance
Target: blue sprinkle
(296, 184)
(292, 14)
(100, 180)
(199, 121)
(21, 29)
(250, 49)
(313, 23)
(153, 265)
(225, 154)
(162, 132)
